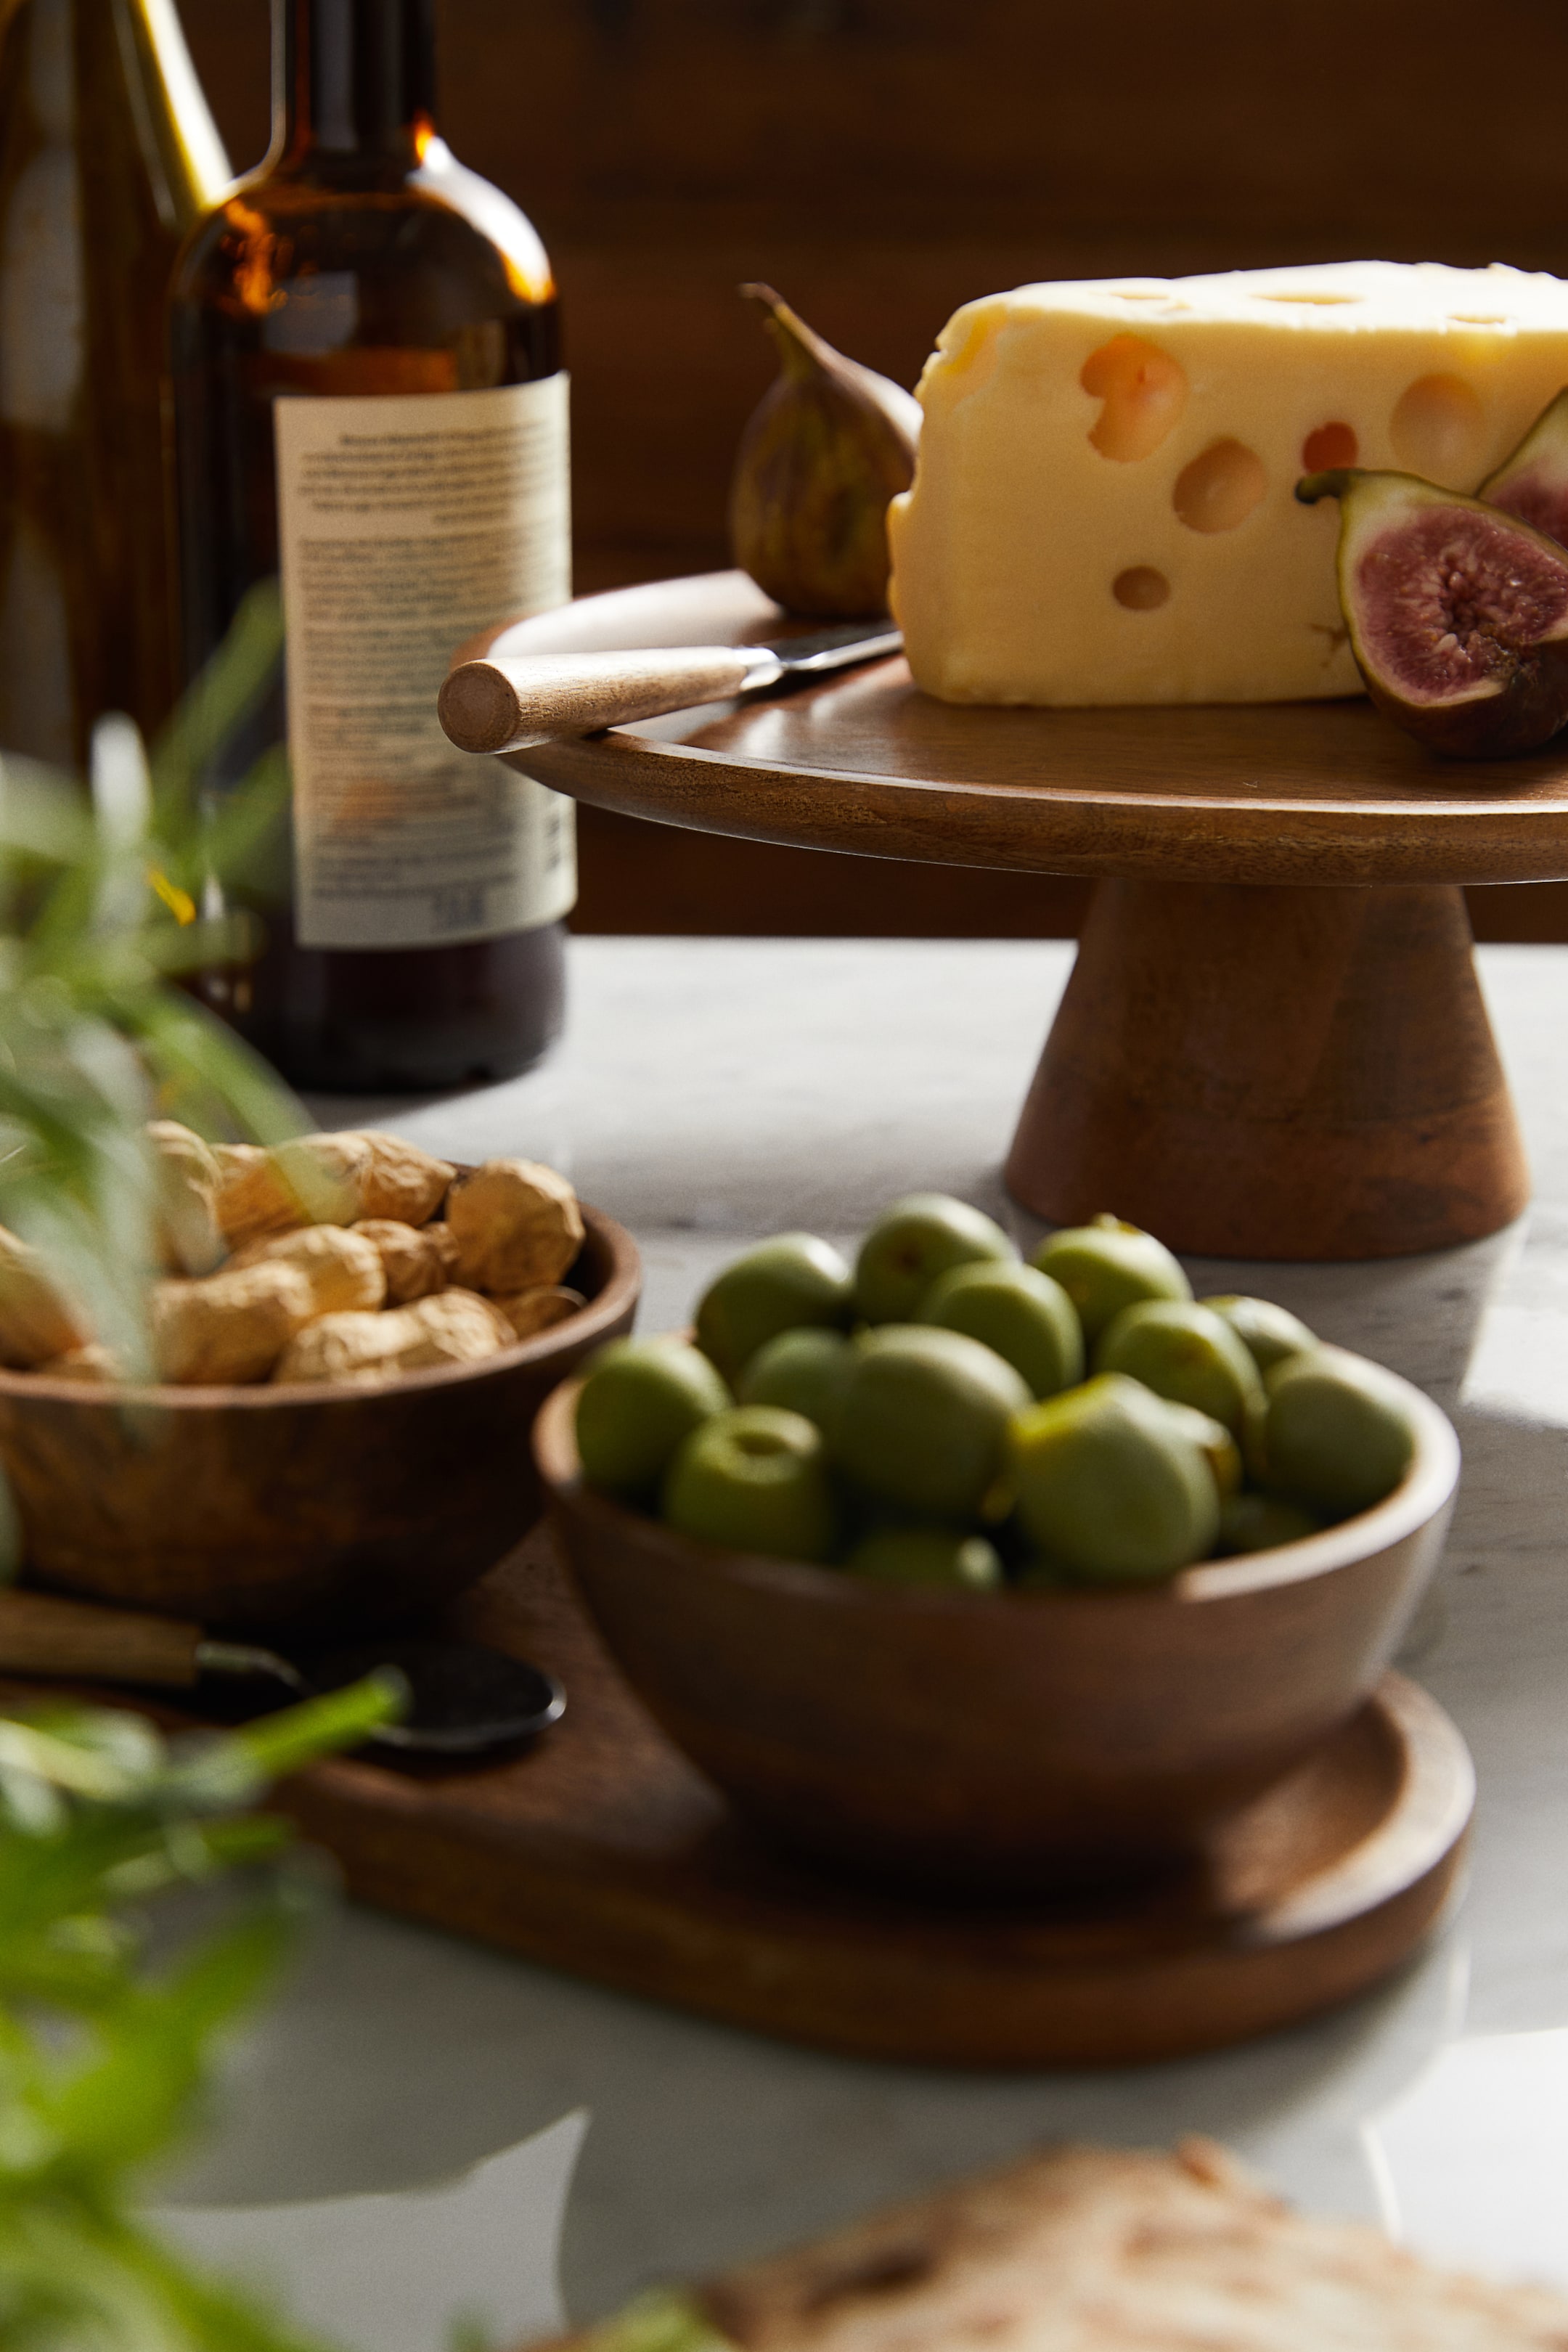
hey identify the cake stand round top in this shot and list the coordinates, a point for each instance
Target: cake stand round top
(1271, 792)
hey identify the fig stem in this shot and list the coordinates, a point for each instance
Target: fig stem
(1331, 484)
(801, 349)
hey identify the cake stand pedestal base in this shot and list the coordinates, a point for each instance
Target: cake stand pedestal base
(1274, 1072)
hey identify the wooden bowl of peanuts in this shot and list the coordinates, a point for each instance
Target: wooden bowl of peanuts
(353, 1338)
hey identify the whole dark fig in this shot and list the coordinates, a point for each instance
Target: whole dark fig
(1532, 482)
(1457, 613)
(830, 444)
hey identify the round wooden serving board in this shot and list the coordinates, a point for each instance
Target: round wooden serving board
(1294, 792)
(602, 1852)
(1273, 1044)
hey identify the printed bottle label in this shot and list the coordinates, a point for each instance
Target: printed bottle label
(407, 523)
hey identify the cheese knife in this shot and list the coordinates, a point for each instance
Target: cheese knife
(511, 700)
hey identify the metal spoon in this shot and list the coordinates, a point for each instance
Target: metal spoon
(463, 1699)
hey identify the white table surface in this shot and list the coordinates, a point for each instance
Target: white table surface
(710, 1092)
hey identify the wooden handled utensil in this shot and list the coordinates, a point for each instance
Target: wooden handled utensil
(509, 701)
(462, 1699)
(42, 1635)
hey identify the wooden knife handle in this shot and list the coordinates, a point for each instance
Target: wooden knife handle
(506, 704)
(41, 1635)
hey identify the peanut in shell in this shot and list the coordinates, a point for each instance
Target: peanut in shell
(229, 1327)
(342, 1267)
(452, 1327)
(516, 1224)
(187, 1237)
(398, 1180)
(91, 1363)
(415, 1260)
(36, 1323)
(528, 1312)
(308, 1182)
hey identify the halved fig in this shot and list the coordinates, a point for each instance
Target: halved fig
(1532, 483)
(1458, 615)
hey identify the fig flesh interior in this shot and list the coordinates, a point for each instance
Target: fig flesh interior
(1537, 499)
(1457, 613)
(1446, 597)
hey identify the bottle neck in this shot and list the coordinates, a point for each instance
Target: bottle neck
(355, 79)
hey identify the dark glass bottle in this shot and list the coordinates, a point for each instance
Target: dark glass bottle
(108, 155)
(368, 402)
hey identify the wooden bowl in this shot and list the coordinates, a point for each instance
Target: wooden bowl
(999, 1740)
(304, 1508)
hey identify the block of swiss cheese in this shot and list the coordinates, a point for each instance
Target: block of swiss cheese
(1097, 2249)
(1103, 513)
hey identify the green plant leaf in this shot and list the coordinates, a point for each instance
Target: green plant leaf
(228, 690)
(108, 892)
(105, 2063)
(108, 895)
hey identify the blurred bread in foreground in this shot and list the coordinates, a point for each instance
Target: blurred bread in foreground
(1097, 2250)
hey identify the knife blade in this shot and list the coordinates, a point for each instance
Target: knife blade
(511, 700)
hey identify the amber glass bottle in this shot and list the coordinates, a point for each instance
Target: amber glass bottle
(369, 404)
(108, 155)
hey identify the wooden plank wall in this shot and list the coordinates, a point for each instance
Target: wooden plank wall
(881, 161)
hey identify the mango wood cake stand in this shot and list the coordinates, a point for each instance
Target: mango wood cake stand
(602, 1852)
(1272, 1045)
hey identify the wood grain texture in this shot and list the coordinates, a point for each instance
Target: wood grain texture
(988, 1741)
(636, 878)
(1295, 792)
(40, 1634)
(1302, 793)
(504, 704)
(1274, 1073)
(302, 1507)
(603, 1853)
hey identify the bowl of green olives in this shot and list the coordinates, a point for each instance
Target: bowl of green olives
(980, 1574)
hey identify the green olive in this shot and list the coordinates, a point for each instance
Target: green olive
(1270, 1333)
(1215, 1443)
(1110, 1484)
(753, 1479)
(1025, 1316)
(1107, 1266)
(922, 1418)
(1188, 1354)
(638, 1400)
(801, 1371)
(914, 1241)
(791, 1280)
(927, 1556)
(1338, 1435)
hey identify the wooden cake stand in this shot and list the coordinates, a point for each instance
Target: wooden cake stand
(1272, 1045)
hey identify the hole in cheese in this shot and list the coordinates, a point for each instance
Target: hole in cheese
(1436, 429)
(1144, 391)
(1219, 489)
(1330, 444)
(1322, 301)
(1476, 319)
(1141, 588)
